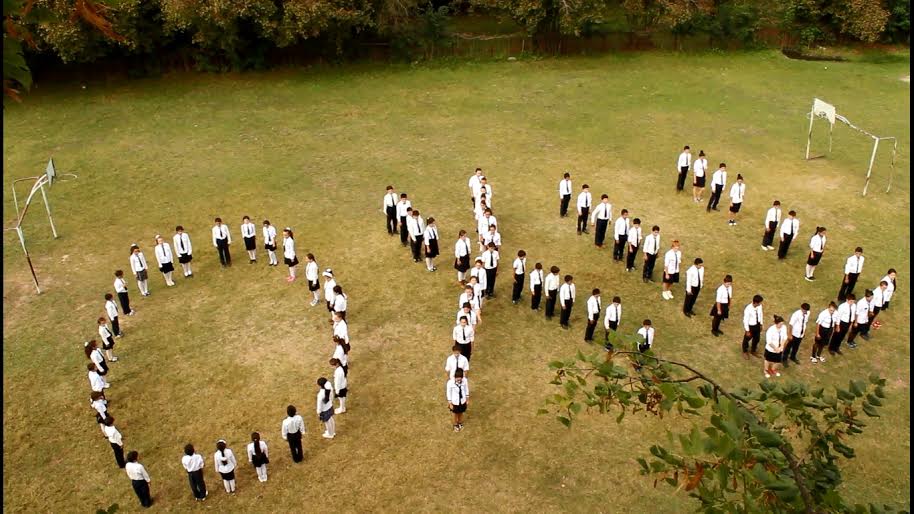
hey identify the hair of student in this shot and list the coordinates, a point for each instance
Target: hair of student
(636, 221)
(255, 438)
(655, 227)
(851, 296)
(266, 222)
(698, 260)
(335, 362)
(119, 273)
(568, 278)
(245, 218)
(289, 230)
(778, 319)
(585, 186)
(290, 411)
(179, 228)
(322, 383)
(90, 366)
(616, 299)
(646, 322)
(776, 202)
(595, 291)
(567, 175)
(554, 269)
(132, 456)
(188, 449)
(467, 305)
(483, 178)
(883, 283)
(310, 256)
(108, 296)
(538, 265)
(701, 153)
(89, 347)
(346, 346)
(757, 299)
(739, 177)
(722, 165)
(686, 147)
(728, 278)
(461, 233)
(458, 373)
(101, 320)
(675, 242)
(109, 421)
(490, 245)
(478, 169)
(402, 195)
(833, 304)
(220, 445)
(604, 196)
(133, 247)
(487, 211)
(891, 270)
(858, 249)
(390, 188)
(805, 306)
(624, 211)
(792, 213)
(338, 289)
(464, 318)
(819, 230)
(521, 253)
(455, 348)
(416, 212)
(430, 220)
(218, 220)
(868, 293)
(492, 226)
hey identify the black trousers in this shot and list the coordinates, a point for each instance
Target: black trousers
(680, 180)
(768, 238)
(599, 235)
(582, 219)
(838, 337)
(141, 488)
(551, 297)
(116, 326)
(119, 455)
(847, 288)
(518, 287)
(860, 328)
(715, 321)
(563, 208)
(689, 304)
(197, 485)
(295, 446)
(619, 248)
(536, 296)
(755, 333)
(790, 351)
(648, 271)
(466, 350)
(404, 234)
(222, 246)
(566, 313)
(591, 325)
(416, 246)
(391, 220)
(716, 191)
(124, 298)
(630, 258)
(490, 281)
(784, 245)
(824, 340)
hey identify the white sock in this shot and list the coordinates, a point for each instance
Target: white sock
(428, 262)
(228, 485)
(109, 354)
(343, 403)
(252, 255)
(144, 287)
(292, 271)
(316, 296)
(331, 426)
(232, 485)
(168, 279)
(103, 429)
(809, 270)
(262, 472)
(461, 276)
(272, 257)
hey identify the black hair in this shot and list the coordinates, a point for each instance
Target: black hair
(757, 299)
(289, 230)
(624, 211)
(291, 411)
(455, 348)
(616, 299)
(655, 227)
(266, 222)
(478, 169)
(245, 217)
(792, 213)
(686, 147)
(338, 289)
(567, 175)
(390, 188)
(699, 261)
(701, 153)
(218, 220)
(430, 220)
(868, 293)
(568, 278)
(858, 249)
(596, 290)
(335, 362)
(636, 221)
(255, 438)
(108, 296)
(851, 296)
(883, 283)
(778, 319)
(728, 278)
(722, 165)
(646, 322)
(833, 304)
(776, 202)
(220, 445)
(415, 212)
(464, 318)
(119, 273)
(310, 256)
(109, 422)
(585, 186)
(90, 347)
(604, 195)
(458, 373)
(132, 456)
(891, 270)
(188, 449)
(538, 265)
(402, 195)
(179, 228)
(805, 306)
(467, 304)
(554, 269)
(321, 382)
(739, 176)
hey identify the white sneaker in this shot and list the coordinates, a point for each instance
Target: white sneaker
(107, 386)
(821, 359)
(777, 373)
(767, 375)
(326, 435)
(113, 359)
(764, 248)
(771, 248)
(339, 410)
(313, 303)
(118, 336)
(813, 360)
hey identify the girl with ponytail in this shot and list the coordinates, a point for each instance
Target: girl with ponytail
(258, 456)
(325, 407)
(225, 464)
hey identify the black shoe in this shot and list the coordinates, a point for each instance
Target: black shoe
(794, 359)
(715, 333)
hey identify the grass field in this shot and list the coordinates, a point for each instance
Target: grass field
(223, 354)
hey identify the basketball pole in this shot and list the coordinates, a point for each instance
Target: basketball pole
(869, 170)
(812, 117)
(47, 207)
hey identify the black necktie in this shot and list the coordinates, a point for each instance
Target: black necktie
(181, 242)
(491, 260)
(464, 333)
(460, 393)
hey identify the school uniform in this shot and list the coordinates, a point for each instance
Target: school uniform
(752, 323)
(249, 235)
(774, 343)
(194, 466)
(139, 479)
(339, 353)
(389, 206)
(889, 291)
(471, 316)
(479, 290)
(601, 216)
(846, 314)
(165, 258)
(877, 304)
(259, 459)
(111, 311)
(825, 326)
(772, 219)
(402, 206)
(329, 295)
(269, 238)
(139, 267)
(585, 201)
(340, 383)
(671, 261)
(594, 306)
(620, 237)
(566, 301)
(484, 189)
(520, 273)
(862, 322)
(490, 264)
(852, 269)
(464, 336)
(97, 382)
(472, 299)
(340, 302)
(613, 317)
(695, 280)
(723, 297)
(224, 462)
(325, 404)
(564, 196)
(683, 164)
(117, 445)
(101, 411)
(816, 249)
(483, 224)
(473, 184)
(222, 238)
(552, 293)
(789, 229)
(648, 334)
(536, 288)
(311, 275)
(457, 395)
(718, 183)
(341, 330)
(288, 252)
(455, 362)
(416, 227)
(430, 237)
(293, 427)
(798, 321)
(183, 248)
(634, 242)
(698, 171)
(737, 195)
(462, 255)
(120, 287)
(651, 249)
(98, 358)
(492, 237)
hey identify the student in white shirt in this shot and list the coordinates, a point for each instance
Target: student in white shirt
(846, 314)
(249, 236)
(415, 228)
(671, 262)
(222, 238)
(116, 440)
(490, 259)
(479, 288)
(184, 250)
(852, 269)
(600, 218)
(682, 165)
(566, 300)
(492, 236)
(721, 308)
(737, 195)
(111, 312)
(293, 428)
(797, 323)
(403, 208)
(456, 361)
(878, 303)
(340, 385)
(474, 183)
(107, 340)
(789, 229)
(633, 242)
(464, 335)
(775, 339)
(825, 326)
(165, 259)
(772, 219)
(96, 381)
(258, 456)
(861, 324)
(341, 352)
(718, 183)
(340, 327)
(430, 240)
(620, 235)
(536, 286)
(594, 307)
(340, 302)
(551, 285)
(314, 285)
(816, 249)
(482, 227)
(462, 256)
(469, 296)
(564, 194)
(389, 208)
(100, 407)
(120, 287)
(520, 273)
(325, 407)
(140, 269)
(139, 479)
(224, 462)
(329, 284)
(457, 391)
(695, 280)
(485, 190)
(752, 323)
(699, 169)
(611, 321)
(647, 332)
(269, 242)
(193, 463)
(651, 249)
(890, 291)
(585, 201)
(288, 252)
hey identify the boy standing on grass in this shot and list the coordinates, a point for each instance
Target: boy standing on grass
(789, 229)
(552, 290)
(852, 269)
(564, 194)
(671, 262)
(536, 286)
(721, 309)
(847, 314)
(600, 219)
(566, 299)
(520, 273)
(772, 218)
(798, 321)
(389, 208)
(403, 208)
(718, 183)
(620, 235)
(222, 238)
(752, 323)
(651, 249)
(699, 169)
(457, 391)
(695, 279)
(474, 184)
(594, 306)
(861, 323)
(585, 200)
(737, 194)
(683, 164)
(825, 326)
(634, 241)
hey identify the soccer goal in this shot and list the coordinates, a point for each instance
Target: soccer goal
(827, 111)
(38, 185)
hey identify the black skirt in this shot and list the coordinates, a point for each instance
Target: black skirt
(699, 181)
(184, 259)
(342, 392)
(141, 275)
(108, 343)
(734, 207)
(167, 267)
(228, 476)
(313, 286)
(772, 357)
(813, 260)
(269, 247)
(462, 264)
(459, 409)
(673, 278)
(432, 249)
(250, 243)
(291, 262)
(259, 460)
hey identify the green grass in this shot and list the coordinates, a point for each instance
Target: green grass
(222, 355)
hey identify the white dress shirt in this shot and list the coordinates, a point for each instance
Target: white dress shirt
(192, 462)
(97, 382)
(773, 215)
(594, 305)
(491, 237)
(620, 228)
(457, 394)
(329, 295)
(480, 274)
(263, 450)
(293, 424)
(111, 309)
(474, 182)
(603, 211)
(826, 319)
(100, 406)
(471, 316)
(430, 233)
(463, 334)
(472, 299)
(97, 358)
(817, 243)
(341, 330)
(221, 232)
(536, 279)
(854, 264)
(613, 313)
(339, 379)
(724, 294)
(340, 355)
(671, 261)
(695, 277)
(248, 229)
(520, 266)
(415, 225)
(490, 259)
(484, 223)
(863, 311)
(120, 285)
(719, 178)
(390, 200)
(138, 262)
(340, 302)
(845, 312)
(564, 187)
(889, 291)
(775, 338)
(163, 254)
(324, 400)
(103, 332)
(648, 334)
(182, 244)
(752, 315)
(487, 189)
(461, 248)
(790, 227)
(684, 161)
(228, 457)
(136, 471)
(878, 297)
(652, 244)
(552, 282)
(634, 236)
(585, 199)
(737, 192)
(456, 361)
(566, 293)
(798, 321)
(401, 208)
(113, 435)
(269, 235)
(311, 270)
(700, 166)
(288, 248)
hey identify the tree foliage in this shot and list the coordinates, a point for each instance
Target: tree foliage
(774, 448)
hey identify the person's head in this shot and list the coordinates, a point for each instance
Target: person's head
(585, 187)
(255, 437)
(891, 273)
(337, 316)
(474, 280)
(655, 229)
(189, 449)
(462, 234)
(134, 248)
(324, 385)
(119, 273)
(310, 257)
(469, 289)
(804, 307)
(858, 251)
(109, 296)
(132, 456)
(218, 221)
(89, 347)
(492, 229)
(776, 203)
(646, 323)
(792, 214)
(96, 395)
(832, 306)
(483, 180)
(820, 231)
(521, 254)
(101, 321)
(554, 270)
(478, 264)
(604, 198)
(538, 266)
(179, 229)
(728, 279)
(463, 321)
(636, 222)
(868, 294)
(778, 320)
(430, 221)
(568, 279)
(567, 175)
(266, 223)
(415, 213)
(701, 153)
(757, 299)
(287, 232)
(159, 239)
(686, 149)
(91, 366)
(409, 211)
(617, 299)
(883, 284)
(487, 212)
(390, 189)
(739, 178)
(246, 219)
(491, 247)
(455, 349)
(335, 363)
(109, 422)
(675, 243)
(220, 446)
(458, 375)
(291, 410)
(478, 171)
(403, 196)
(851, 298)
(699, 263)
(723, 166)
(624, 213)
(596, 291)
(338, 289)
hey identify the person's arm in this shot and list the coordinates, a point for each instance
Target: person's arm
(214, 239)
(144, 474)
(285, 431)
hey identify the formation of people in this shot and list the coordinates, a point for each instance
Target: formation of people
(329, 391)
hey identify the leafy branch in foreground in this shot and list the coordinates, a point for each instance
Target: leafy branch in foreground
(771, 449)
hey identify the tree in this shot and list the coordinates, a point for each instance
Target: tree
(772, 449)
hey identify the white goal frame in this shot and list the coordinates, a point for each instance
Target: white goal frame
(827, 111)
